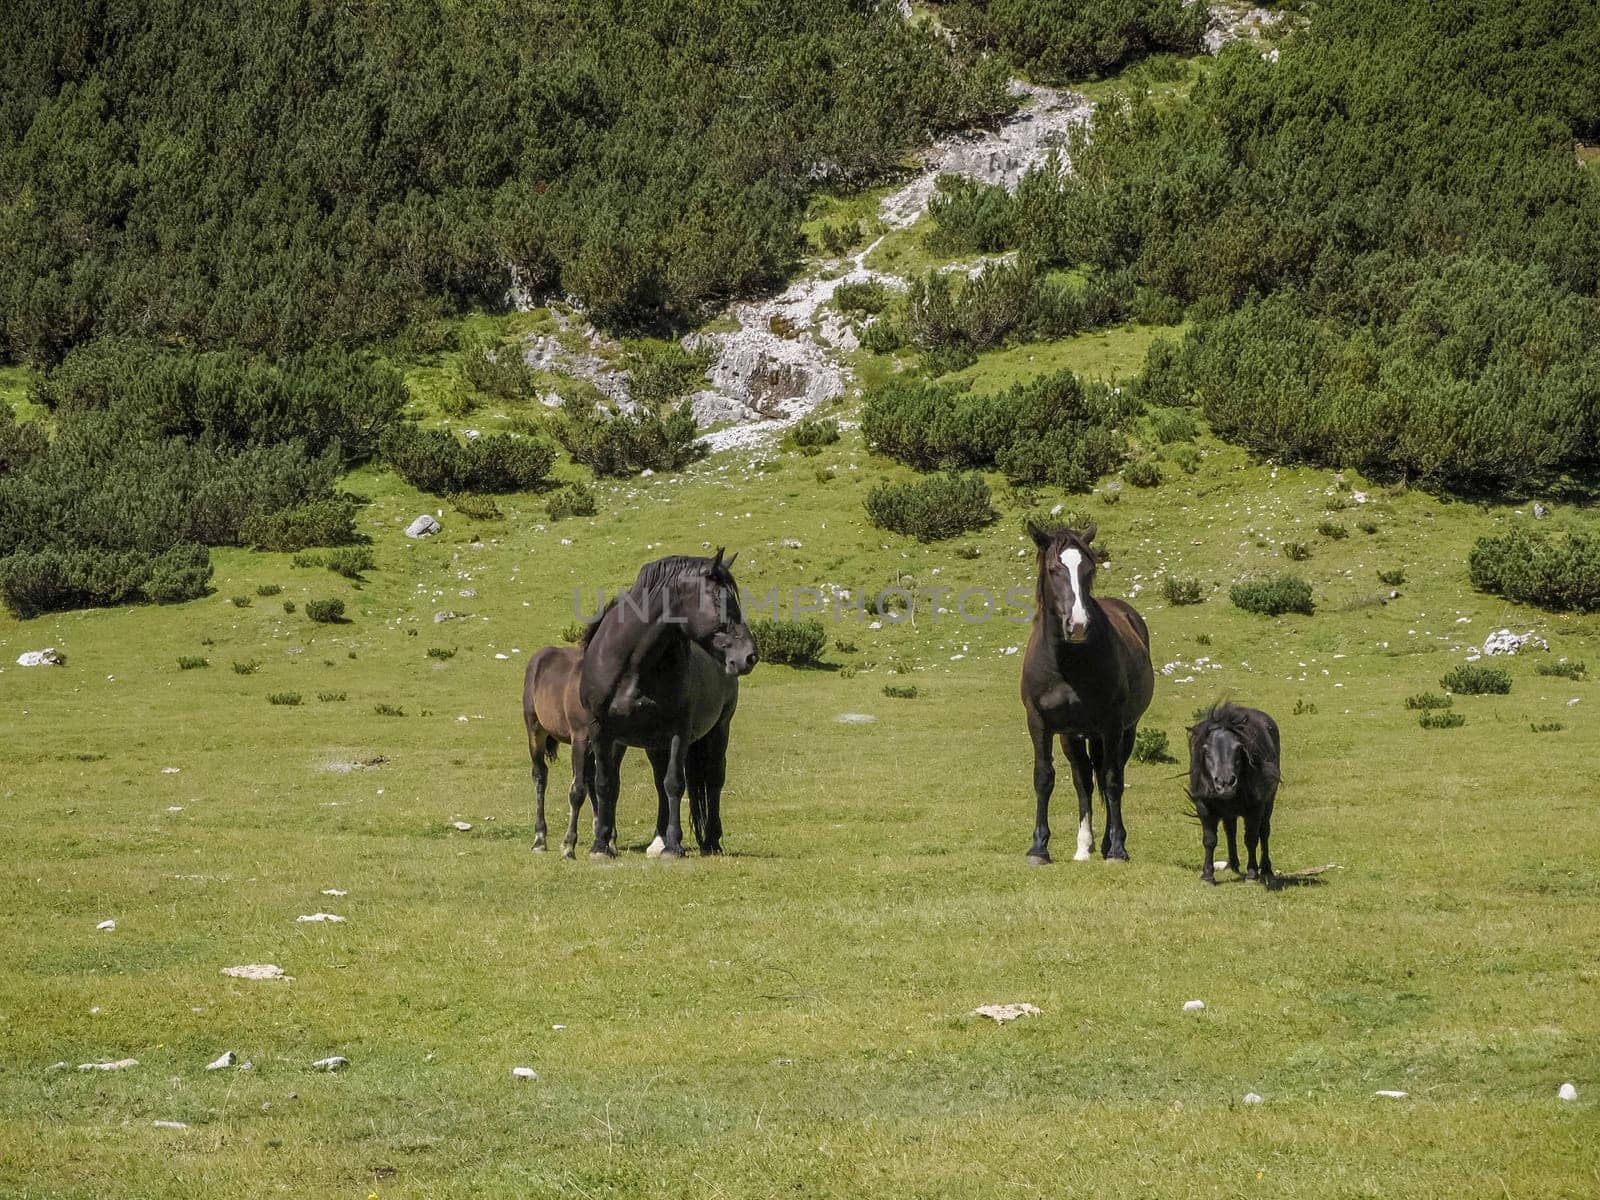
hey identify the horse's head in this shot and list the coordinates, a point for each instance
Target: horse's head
(1066, 578)
(1222, 761)
(707, 602)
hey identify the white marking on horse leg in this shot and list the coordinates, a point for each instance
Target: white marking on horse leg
(1072, 560)
(655, 848)
(1085, 841)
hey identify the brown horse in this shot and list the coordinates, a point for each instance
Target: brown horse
(552, 712)
(1086, 676)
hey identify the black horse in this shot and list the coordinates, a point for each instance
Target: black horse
(661, 668)
(1234, 754)
(1086, 676)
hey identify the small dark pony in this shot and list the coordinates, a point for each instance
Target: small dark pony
(1087, 677)
(1234, 772)
(661, 667)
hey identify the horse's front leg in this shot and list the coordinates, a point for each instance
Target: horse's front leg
(607, 784)
(673, 782)
(582, 777)
(660, 763)
(541, 774)
(1044, 782)
(1266, 832)
(1208, 839)
(1252, 834)
(1233, 845)
(711, 771)
(1077, 751)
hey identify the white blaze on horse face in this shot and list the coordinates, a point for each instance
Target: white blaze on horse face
(1085, 841)
(1078, 620)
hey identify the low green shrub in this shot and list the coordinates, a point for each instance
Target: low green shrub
(1333, 530)
(1181, 590)
(1273, 597)
(867, 296)
(900, 691)
(289, 606)
(240, 601)
(1146, 473)
(622, 444)
(290, 699)
(812, 433)
(388, 710)
(1441, 720)
(479, 508)
(441, 652)
(498, 371)
(192, 662)
(248, 667)
(1393, 578)
(1170, 425)
(1546, 727)
(433, 460)
(351, 561)
(1563, 669)
(330, 697)
(790, 643)
(574, 500)
(572, 632)
(941, 506)
(1296, 551)
(1533, 567)
(1150, 746)
(327, 522)
(1423, 701)
(53, 580)
(325, 612)
(1474, 679)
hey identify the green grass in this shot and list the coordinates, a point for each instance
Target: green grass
(1106, 354)
(792, 1019)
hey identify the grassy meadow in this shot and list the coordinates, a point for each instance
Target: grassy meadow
(793, 1019)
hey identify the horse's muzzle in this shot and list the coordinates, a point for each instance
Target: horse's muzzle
(735, 667)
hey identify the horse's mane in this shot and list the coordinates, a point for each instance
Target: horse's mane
(663, 572)
(1225, 714)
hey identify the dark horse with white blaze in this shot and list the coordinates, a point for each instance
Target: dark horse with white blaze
(661, 668)
(1087, 677)
(1234, 755)
(553, 714)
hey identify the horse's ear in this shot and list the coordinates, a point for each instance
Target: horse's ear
(715, 562)
(728, 566)
(1040, 538)
(1089, 530)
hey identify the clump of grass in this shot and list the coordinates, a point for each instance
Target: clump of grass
(1185, 456)
(1202, 639)
(268, 589)
(325, 612)
(1441, 720)
(1111, 495)
(1181, 590)
(288, 698)
(574, 500)
(1150, 746)
(330, 697)
(900, 691)
(441, 652)
(1472, 679)
(249, 667)
(845, 646)
(1333, 530)
(571, 632)
(1367, 526)
(967, 552)
(1393, 578)
(241, 601)
(1273, 597)
(192, 662)
(288, 606)
(1563, 669)
(1425, 701)
(388, 710)
(1143, 474)
(810, 435)
(1304, 708)
(351, 561)
(1296, 551)
(1546, 727)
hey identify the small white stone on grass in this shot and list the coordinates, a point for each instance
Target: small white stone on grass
(108, 926)
(1252, 1098)
(337, 1062)
(524, 1073)
(1567, 1092)
(1001, 1013)
(1390, 1095)
(120, 1064)
(55, 1066)
(334, 892)
(321, 916)
(227, 1060)
(463, 826)
(855, 718)
(169, 1124)
(1193, 1005)
(257, 971)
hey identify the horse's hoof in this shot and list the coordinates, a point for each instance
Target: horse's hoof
(1116, 856)
(569, 852)
(1252, 873)
(1040, 858)
(538, 847)
(670, 853)
(602, 855)
(656, 848)
(714, 850)
(1084, 854)
(1210, 879)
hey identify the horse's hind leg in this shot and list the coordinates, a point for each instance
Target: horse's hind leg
(582, 783)
(541, 774)
(706, 777)
(1111, 764)
(1208, 839)
(1266, 831)
(1252, 834)
(1077, 752)
(1233, 844)
(607, 784)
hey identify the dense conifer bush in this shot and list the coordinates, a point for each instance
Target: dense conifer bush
(1533, 567)
(574, 500)
(790, 643)
(940, 506)
(616, 443)
(434, 460)
(1076, 39)
(1273, 597)
(1055, 429)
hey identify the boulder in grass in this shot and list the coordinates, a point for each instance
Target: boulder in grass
(48, 657)
(423, 526)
